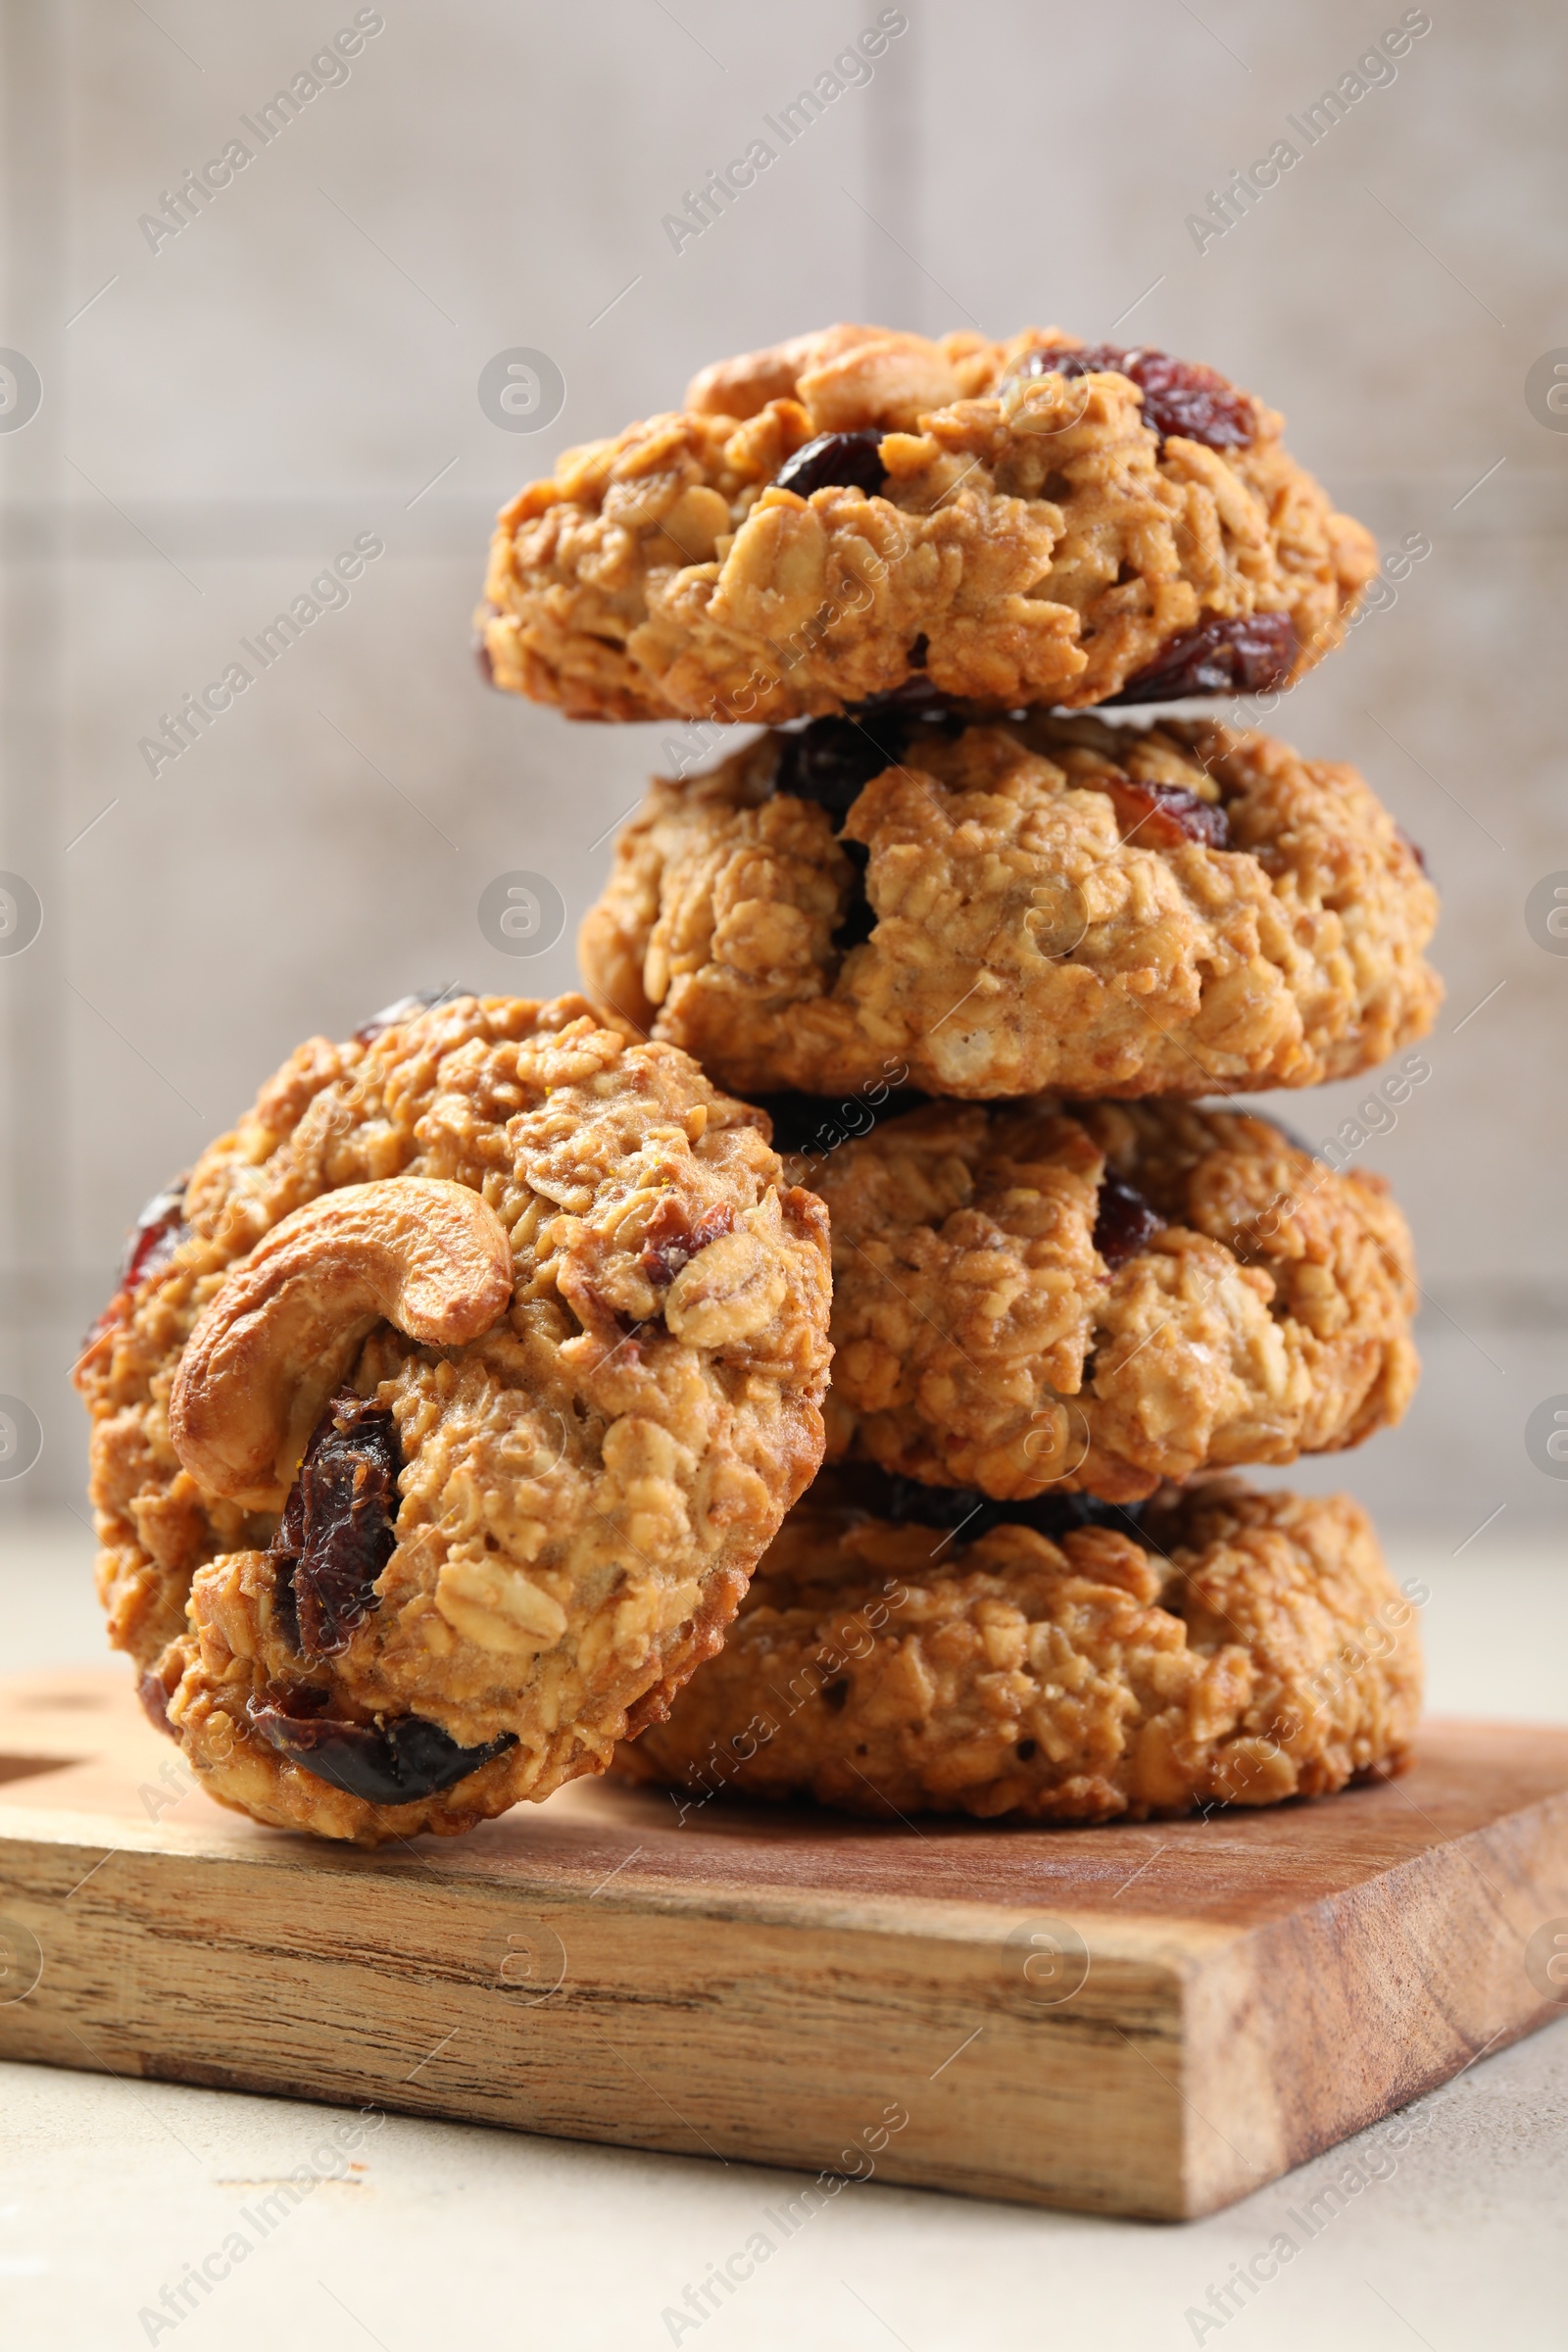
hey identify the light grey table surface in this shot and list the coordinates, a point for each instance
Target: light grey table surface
(448, 2234)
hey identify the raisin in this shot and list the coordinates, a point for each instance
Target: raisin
(916, 699)
(856, 923)
(672, 1240)
(1124, 1221)
(831, 760)
(156, 1234)
(834, 1694)
(1162, 816)
(296, 1700)
(906, 1502)
(155, 1703)
(336, 1533)
(1249, 655)
(814, 1125)
(845, 460)
(285, 1603)
(1027, 1750)
(1061, 1514)
(405, 1009)
(386, 1764)
(1180, 396)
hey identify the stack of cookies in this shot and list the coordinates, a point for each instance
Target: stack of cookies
(990, 964)
(462, 1423)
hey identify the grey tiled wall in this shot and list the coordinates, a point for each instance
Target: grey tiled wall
(223, 415)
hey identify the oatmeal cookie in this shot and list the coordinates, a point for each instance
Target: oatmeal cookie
(1095, 1296)
(1030, 521)
(1232, 1648)
(1030, 901)
(445, 1410)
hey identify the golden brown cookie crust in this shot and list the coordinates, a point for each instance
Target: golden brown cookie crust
(1035, 540)
(1240, 1649)
(983, 1340)
(1035, 925)
(585, 1486)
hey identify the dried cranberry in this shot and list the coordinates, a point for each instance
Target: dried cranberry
(1180, 396)
(1249, 655)
(906, 1502)
(156, 1234)
(386, 1764)
(150, 1244)
(407, 1008)
(846, 461)
(672, 1240)
(1162, 816)
(1124, 1221)
(1054, 361)
(336, 1533)
(1183, 397)
(1414, 848)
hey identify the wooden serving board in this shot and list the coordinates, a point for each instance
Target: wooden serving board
(1147, 2021)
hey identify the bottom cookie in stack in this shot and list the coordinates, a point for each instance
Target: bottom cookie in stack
(910, 1649)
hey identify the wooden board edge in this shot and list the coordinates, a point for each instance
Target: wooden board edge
(673, 2033)
(1435, 1955)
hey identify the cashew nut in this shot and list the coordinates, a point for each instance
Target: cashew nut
(728, 1290)
(892, 380)
(744, 386)
(428, 1255)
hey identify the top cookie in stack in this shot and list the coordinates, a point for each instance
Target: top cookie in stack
(1030, 521)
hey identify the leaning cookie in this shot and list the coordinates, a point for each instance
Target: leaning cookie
(1029, 521)
(1027, 902)
(1095, 1297)
(1230, 1649)
(445, 1411)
